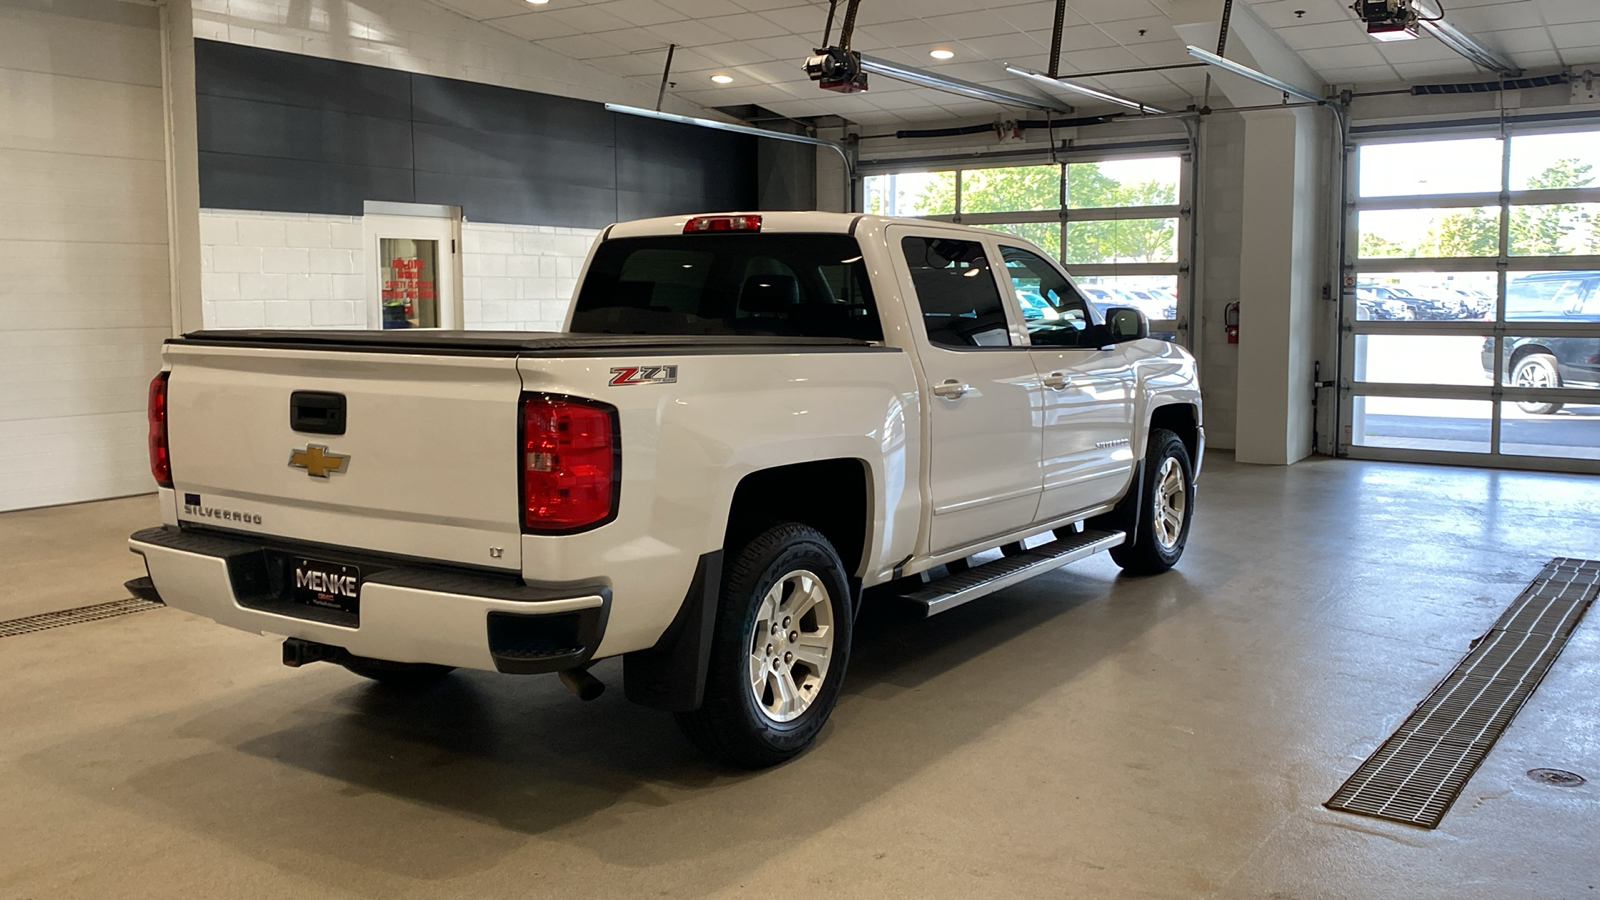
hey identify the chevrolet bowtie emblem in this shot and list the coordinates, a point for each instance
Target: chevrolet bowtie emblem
(317, 461)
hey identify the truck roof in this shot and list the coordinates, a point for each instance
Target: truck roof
(808, 222)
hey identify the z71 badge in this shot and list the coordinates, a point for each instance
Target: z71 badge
(625, 375)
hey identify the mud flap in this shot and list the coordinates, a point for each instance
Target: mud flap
(672, 674)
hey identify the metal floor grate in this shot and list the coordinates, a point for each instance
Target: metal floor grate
(1416, 774)
(28, 624)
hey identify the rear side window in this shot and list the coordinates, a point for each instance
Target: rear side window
(798, 285)
(955, 287)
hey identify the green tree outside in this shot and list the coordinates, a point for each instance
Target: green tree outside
(1553, 229)
(1032, 188)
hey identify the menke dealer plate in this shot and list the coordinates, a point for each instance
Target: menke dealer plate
(327, 585)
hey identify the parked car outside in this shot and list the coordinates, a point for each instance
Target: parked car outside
(1552, 361)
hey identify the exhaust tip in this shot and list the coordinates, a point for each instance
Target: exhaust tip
(582, 683)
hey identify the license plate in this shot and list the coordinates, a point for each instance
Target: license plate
(327, 584)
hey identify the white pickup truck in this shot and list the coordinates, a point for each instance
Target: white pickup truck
(748, 420)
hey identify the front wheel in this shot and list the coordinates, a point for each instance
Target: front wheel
(778, 650)
(1537, 371)
(1167, 495)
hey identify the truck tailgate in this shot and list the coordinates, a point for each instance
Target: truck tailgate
(430, 466)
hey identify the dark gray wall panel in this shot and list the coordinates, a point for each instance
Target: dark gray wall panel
(293, 185)
(530, 201)
(280, 131)
(459, 151)
(666, 169)
(498, 110)
(289, 79)
(294, 132)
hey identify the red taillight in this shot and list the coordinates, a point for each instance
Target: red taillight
(701, 224)
(569, 463)
(156, 412)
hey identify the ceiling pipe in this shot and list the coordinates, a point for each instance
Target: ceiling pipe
(1228, 65)
(925, 78)
(1084, 89)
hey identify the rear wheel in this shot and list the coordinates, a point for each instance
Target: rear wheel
(1167, 495)
(778, 651)
(1537, 370)
(409, 676)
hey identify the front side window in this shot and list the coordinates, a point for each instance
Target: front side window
(804, 285)
(1054, 311)
(961, 307)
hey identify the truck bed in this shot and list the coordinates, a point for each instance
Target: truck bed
(519, 343)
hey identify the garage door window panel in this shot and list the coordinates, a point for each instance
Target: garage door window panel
(1522, 389)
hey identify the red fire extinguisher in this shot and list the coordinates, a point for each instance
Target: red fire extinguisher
(1230, 321)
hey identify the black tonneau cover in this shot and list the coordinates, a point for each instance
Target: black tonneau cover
(434, 342)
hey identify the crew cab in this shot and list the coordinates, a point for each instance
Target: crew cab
(748, 420)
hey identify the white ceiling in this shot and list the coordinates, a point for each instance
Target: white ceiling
(761, 44)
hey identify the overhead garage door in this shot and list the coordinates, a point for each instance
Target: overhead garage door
(1472, 299)
(83, 244)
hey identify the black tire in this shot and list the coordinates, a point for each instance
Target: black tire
(405, 676)
(1145, 554)
(1539, 370)
(730, 724)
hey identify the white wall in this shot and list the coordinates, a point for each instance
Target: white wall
(416, 36)
(281, 270)
(520, 277)
(83, 232)
(297, 270)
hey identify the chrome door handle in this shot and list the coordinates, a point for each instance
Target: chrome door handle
(1057, 381)
(951, 389)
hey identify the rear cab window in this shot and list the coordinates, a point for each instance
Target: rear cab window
(771, 283)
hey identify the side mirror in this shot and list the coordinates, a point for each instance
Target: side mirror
(1124, 323)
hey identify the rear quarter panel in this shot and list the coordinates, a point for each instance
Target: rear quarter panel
(687, 445)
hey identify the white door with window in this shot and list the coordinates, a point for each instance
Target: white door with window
(984, 475)
(1087, 397)
(413, 271)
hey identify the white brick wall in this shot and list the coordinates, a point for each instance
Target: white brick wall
(520, 277)
(294, 270)
(281, 270)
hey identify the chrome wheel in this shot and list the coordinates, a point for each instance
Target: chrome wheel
(791, 646)
(1172, 503)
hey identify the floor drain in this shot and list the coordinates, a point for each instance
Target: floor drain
(1416, 774)
(30, 624)
(1556, 777)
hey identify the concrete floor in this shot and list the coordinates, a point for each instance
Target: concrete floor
(1079, 735)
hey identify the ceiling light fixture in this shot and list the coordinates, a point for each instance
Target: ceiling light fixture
(1084, 89)
(720, 78)
(941, 53)
(913, 75)
(538, 2)
(1228, 65)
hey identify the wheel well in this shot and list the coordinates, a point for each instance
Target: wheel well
(830, 495)
(1180, 419)
(1525, 351)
